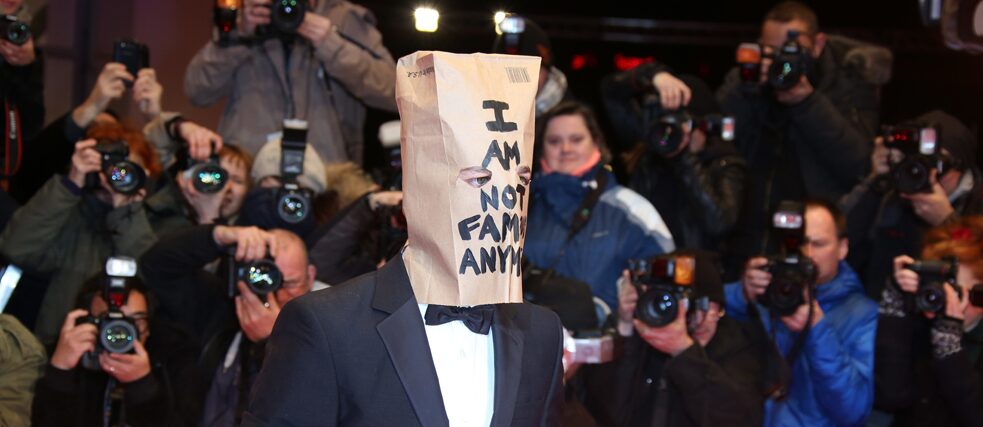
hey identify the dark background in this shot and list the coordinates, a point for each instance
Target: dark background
(697, 37)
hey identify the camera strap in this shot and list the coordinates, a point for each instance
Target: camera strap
(583, 213)
(12, 141)
(778, 368)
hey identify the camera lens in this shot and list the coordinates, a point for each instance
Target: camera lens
(125, 177)
(657, 307)
(912, 175)
(784, 294)
(118, 336)
(263, 277)
(666, 135)
(292, 208)
(784, 73)
(209, 178)
(930, 297)
(288, 14)
(17, 32)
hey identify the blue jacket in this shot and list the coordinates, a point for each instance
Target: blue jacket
(622, 226)
(833, 378)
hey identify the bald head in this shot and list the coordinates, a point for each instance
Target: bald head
(291, 259)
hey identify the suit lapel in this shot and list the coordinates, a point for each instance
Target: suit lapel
(406, 341)
(508, 339)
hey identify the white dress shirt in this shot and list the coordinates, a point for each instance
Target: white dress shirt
(465, 364)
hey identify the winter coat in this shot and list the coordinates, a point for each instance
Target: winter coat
(327, 82)
(718, 385)
(69, 235)
(818, 148)
(832, 379)
(622, 226)
(22, 360)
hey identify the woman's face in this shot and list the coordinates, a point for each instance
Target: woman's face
(567, 143)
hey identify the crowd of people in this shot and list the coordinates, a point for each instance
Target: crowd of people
(833, 260)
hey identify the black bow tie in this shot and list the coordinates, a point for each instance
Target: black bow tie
(478, 318)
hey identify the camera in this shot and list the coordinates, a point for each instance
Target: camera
(14, 31)
(293, 203)
(665, 129)
(117, 333)
(662, 283)
(262, 277)
(124, 176)
(922, 154)
(285, 17)
(135, 56)
(789, 63)
(207, 176)
(792, 274)
(932, 278)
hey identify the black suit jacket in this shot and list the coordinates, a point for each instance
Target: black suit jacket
(357, 355)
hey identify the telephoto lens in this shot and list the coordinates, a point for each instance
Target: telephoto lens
(208, 177)
(287, 15)
(658, 306)
(125, 177)
(14, 31)
(261, 277)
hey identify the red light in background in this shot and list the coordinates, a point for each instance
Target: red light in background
(624, 62)
(577, 62)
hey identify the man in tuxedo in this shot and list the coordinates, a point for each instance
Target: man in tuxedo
(435, 337)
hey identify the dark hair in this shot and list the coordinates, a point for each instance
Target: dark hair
(568, 108)
(834, 211)
(96, 284)
(788, 11)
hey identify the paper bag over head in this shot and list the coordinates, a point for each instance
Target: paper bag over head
(468, 124)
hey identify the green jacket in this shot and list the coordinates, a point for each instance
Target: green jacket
(61, 233)
(22, 361)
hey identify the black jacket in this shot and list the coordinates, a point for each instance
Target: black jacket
(356, 354)
(75, 398)
(698, 195)
(818, 148)
(719, 385)
(920, 390)
(881, 226)
(22, 90)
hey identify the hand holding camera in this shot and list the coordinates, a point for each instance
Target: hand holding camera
(251, 243)
(796, 322)
(16, 43)
(256, 13)
(784, 70)
(672, 92)
(314, 27)
(670, 339)
(147, 92)
(256, 317)
(74, 341)
(934, 285)
(755, 279)
(85, 160)
(126, 368)
(202, 142)
(932, 206)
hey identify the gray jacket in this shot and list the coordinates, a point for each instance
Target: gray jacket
(63, 234)
(330, 81)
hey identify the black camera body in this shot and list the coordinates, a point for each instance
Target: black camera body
(789, 63)
(932, 278)
(293, 203)
(922, 154)
(262, 277)
(117, 333)
(792, 274)
(135, 56)
(224, 16)
(14, 31)
(207, 176)
(662, 283)
(285, 17)
(664, 130)
(124, 176)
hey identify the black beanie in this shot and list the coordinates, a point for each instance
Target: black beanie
(708, 283)
(532, 41)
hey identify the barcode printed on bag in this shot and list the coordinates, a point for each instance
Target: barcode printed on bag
(517, 75)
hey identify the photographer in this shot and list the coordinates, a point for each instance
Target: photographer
(804, 138)
(21, 86)
(326, 70)
(697, 186)
(887, 219)
(74, 222)
(928, 364)
(826, 342)
(232, 331)
(700, 369)
(145, 387)
(360, 237)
